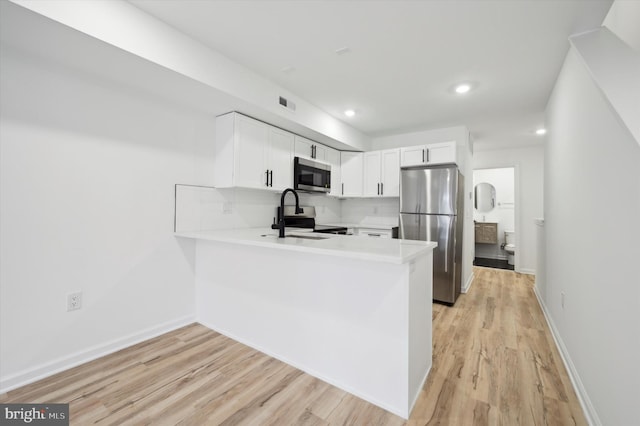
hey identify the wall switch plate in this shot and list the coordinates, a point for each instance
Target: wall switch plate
(74, 301)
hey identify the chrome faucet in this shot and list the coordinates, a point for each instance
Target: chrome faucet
(298, 210)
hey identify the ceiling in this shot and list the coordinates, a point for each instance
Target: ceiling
(403, 57)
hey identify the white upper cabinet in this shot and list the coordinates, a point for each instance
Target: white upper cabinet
(280, 159)
(351, 174)
(252, 154)
(381, 173)
(333, 159)
(306, 148)
(371, 173)
(390, 173)
(435, 153)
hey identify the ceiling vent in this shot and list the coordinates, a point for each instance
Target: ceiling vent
(285, 103)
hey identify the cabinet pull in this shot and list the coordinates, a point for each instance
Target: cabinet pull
(427, 155)
(423, 155)
(271, 176)
(381, 188)
(343, 189)
(267, 173)
(374, 235)
(378, 188)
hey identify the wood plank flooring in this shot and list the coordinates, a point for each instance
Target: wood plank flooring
(494, 363)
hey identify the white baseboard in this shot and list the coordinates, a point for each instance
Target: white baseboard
(587, 407)
(42, 371)
(527, 271)
(467, 285)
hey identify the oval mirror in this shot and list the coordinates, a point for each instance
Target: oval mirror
(485, 197)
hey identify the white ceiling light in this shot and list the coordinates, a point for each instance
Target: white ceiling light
(541, 131)
(349, 113)
(462, 88)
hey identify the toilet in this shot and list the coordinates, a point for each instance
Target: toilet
(510, 245)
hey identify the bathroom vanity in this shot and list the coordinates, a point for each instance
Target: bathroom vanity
(486, 233)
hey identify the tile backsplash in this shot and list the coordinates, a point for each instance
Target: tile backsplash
(200, 208)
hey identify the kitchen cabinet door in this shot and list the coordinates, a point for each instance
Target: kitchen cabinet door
(333, 159)
(280, 159)
(303, 147)
(441, 153)
(250, 152)
(390, 173)
(351, 170)
(412, 156)
(435, 153)
(371, 173)
(306, 148)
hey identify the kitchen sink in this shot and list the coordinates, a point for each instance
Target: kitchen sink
(305, 237)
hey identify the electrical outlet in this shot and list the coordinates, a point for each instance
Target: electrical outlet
(562, 299)
(74, 301)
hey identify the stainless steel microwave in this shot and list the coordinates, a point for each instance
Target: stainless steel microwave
(311, 176)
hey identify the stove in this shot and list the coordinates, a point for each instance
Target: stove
(307, 220)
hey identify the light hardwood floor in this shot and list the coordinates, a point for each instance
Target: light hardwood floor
(494, 363)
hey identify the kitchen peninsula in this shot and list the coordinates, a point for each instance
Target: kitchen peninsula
(352, 311)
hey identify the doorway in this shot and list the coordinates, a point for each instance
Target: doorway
(494, 218)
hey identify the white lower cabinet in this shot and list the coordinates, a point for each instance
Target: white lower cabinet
(374, 233)
(351, 174)
(252, 154)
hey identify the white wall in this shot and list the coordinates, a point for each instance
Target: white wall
(503, 180)
(622, 20)
(88, 169)
(592, 211)
(529, 165)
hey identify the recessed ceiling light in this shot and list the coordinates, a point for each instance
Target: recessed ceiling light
(349, 113)
(541, 131)
(462, 88)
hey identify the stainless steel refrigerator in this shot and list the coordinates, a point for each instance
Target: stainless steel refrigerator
(431, 209)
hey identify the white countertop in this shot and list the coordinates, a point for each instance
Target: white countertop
(365, 248)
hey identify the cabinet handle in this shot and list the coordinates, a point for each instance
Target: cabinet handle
(311, 151)
(271, 175)
(374, 235)
(343, 189)
(381, 188)
(423, 155)
(427, 155)
(267, 173)
(378, 188)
